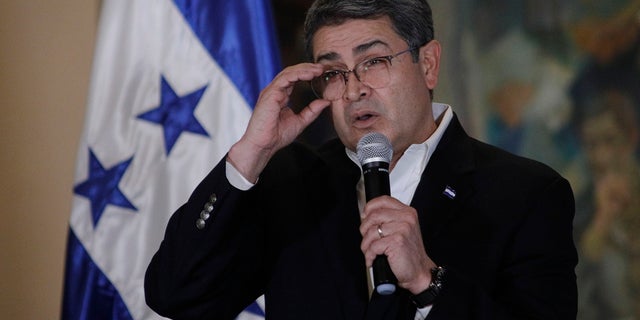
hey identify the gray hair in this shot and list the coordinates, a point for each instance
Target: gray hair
(412, 19)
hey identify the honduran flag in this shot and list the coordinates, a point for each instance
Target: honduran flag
(172, 88)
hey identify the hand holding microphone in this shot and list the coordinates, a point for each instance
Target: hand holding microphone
(374, 153)
(390, 226)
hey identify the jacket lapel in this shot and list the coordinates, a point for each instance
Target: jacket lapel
(443, 187)
(341, 235)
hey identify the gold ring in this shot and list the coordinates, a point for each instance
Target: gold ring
(380, 231)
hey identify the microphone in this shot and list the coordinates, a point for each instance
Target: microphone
(374, 153)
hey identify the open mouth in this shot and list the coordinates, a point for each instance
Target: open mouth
(364, 117)
(364, 120)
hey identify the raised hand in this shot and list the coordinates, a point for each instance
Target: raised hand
(273, 125)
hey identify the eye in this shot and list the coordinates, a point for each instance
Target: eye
(375, 63)
(330, 76)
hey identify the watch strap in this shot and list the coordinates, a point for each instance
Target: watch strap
(428, 296)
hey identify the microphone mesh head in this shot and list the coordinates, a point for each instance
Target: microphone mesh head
(374, 147)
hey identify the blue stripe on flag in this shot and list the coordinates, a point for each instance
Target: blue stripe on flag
(240, 36)
(88, 293)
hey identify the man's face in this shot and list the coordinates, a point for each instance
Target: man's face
(401, 110)
(607, 146)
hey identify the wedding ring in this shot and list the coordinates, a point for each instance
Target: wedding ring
(380, 231)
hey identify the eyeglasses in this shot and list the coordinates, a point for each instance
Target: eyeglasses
(373, 72)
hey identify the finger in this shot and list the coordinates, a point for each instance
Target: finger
(313, 110)
(300, 72)
(375, 248)
(381, 210)
(282, 85)
(386, 202)
(378, 239)
(379, 246)
(369, 236)
(385, 230)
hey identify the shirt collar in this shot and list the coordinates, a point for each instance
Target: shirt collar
(422, 152)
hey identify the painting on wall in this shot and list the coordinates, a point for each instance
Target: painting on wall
(559, 81)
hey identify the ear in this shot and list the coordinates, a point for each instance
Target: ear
(430, 62)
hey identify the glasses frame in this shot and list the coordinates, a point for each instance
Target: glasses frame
(345, 73)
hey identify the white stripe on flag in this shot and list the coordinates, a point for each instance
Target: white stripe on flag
(140, 44)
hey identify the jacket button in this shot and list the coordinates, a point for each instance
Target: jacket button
(200, 224)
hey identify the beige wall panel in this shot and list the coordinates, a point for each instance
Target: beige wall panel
(45, 63)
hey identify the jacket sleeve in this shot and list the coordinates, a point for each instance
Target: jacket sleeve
(209, 264)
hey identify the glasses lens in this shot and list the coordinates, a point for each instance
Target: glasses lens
(330, 85)
(374, 72)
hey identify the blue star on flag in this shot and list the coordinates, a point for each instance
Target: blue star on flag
(175, 114)
(102, 187)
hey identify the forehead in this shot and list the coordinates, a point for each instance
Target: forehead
(355, 37)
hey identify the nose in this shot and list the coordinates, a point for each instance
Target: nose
(354, 89)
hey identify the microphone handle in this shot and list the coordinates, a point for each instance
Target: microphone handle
(376, 180)
(383, 278)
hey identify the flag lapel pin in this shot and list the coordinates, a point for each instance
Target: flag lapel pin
(449, 192)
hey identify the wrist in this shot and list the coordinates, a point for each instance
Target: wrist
(421, 283)
(429, 295)
(248, 161)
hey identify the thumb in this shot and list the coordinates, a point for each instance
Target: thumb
(313, 110)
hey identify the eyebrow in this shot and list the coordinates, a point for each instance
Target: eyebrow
(333, 56)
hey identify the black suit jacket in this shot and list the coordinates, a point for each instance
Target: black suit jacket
(503, 232)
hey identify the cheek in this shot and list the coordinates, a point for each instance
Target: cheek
(337, 116)
(339, 122)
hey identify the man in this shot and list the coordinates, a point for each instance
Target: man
(610, 268)
(469, 231)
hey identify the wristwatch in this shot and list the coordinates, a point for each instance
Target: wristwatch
(428, 296)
